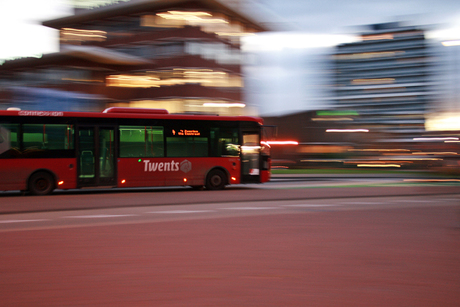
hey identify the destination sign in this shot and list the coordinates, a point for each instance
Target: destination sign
(185, 132)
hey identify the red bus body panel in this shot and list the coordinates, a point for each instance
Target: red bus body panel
(131, 172)
(265, 176)
(96, 115)
(149, 172)
(14, 173)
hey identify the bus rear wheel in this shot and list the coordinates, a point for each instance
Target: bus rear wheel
(41, 183)
(216, 180)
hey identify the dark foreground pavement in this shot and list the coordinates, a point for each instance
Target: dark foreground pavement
(390, 257)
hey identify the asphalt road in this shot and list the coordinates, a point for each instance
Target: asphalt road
(278, 189)
(267, 245)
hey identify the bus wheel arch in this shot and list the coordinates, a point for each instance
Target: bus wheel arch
(41, 182)
(216, 179)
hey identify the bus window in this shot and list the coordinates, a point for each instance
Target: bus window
(47, 137)
(187, 142)
(187, 146)
(141, 141)
(9, 140)
(86, 153)
(106, 153)
(250, 154)
(224, 142)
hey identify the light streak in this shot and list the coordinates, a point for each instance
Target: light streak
(317, 119)
(282, 142)
(347, 130)
(432, 180)
(451, 43)
(321, 160)
(435, 153)
(224, 105)
(370, 149)
(379, 165)
(437, 139)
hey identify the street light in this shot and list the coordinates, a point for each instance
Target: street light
(451, 43)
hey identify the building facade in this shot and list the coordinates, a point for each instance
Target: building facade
(179, 55)
(387, 77)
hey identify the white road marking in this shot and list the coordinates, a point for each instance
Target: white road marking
(251, 208)
(363, 203)
(310, 205)
(98, 216)
(22, 221)
(181, 211)
(414, 201)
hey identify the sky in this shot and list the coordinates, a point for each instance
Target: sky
(21, 32)
(310, 23)
(302, 29)
(291, 72)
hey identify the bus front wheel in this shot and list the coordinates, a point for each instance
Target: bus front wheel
(216, 180)
(41, 183)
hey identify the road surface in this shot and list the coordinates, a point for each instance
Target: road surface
(334, 249)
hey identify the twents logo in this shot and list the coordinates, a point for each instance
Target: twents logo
(185, 166)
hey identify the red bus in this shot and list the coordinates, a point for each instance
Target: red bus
(128, 147)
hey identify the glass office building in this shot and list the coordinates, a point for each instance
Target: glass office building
(387, 78)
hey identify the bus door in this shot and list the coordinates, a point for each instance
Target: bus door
(96, 156)
(250, 157)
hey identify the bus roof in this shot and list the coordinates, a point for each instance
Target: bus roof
(116, 112)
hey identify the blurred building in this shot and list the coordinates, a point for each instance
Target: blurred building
(387, 78)
(180, 55)
(445, 113)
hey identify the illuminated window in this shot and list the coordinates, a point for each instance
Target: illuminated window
(47, 137)
(38, 140)
(187, 141)
(80, 35)
(208, 21)
(9, 144)
(178, 76)
(141, 141)
(224, 142)
(377, 37)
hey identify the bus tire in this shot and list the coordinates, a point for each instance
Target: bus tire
(216, 180)
(41, 183)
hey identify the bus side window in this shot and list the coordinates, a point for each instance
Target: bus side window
(224, 142)
(9, 140)
(87, 163)
(187, 140)
(141, 141)
(39, 137)
(187, 146)
(4, 140)
(232, 149)
(33, 137)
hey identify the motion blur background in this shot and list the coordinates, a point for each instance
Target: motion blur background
(340, 84)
